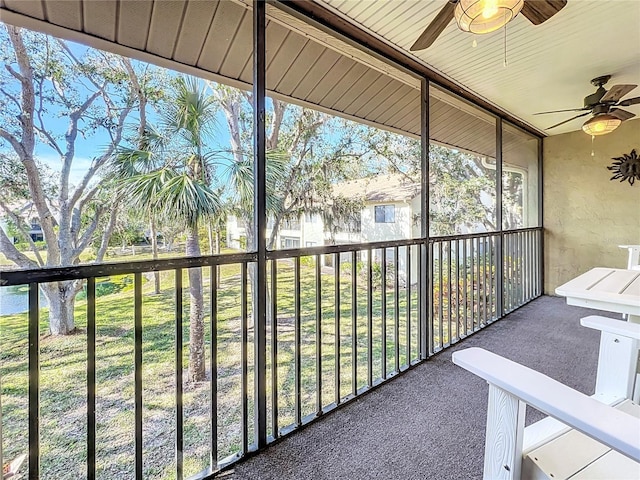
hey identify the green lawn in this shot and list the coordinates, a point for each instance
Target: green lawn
(63, 370)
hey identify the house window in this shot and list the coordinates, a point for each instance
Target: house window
(385, 213)
(290, 242)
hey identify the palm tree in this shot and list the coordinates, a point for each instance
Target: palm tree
(130, 163)
(171, 176)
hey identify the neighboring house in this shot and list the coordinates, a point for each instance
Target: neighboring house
(23, 210)
(35, 231)
(391, 211)
(391, 207)
(235, 232)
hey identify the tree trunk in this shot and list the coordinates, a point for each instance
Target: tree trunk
(154, 253)
(196, 311)
(62, 299)
(210, 232)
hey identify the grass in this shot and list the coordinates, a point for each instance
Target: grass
(63, 369)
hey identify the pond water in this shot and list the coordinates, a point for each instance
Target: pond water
(15, 299)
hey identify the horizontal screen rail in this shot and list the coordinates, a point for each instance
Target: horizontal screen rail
(59, 274)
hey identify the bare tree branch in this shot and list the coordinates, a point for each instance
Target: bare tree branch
(102, 159)
(108, 231)
(19, 225)
(87, 235)
(41, 128)
(15, 143)
(14, 73)
(12, 253)
(11, 97)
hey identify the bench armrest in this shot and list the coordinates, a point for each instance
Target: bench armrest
(612, 325)
(611, 427)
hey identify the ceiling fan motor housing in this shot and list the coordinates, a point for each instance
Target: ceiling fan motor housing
(594, 98)
(603, 108)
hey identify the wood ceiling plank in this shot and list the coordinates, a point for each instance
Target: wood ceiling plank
(356, 90)
(384, 106)
(371, 93)
(375, 102)
(340, 68)
(362, 8)
(393, 107)
(335, 87)
(310, 54)
(409, 116)
(33, 9)
(133, 23)
(166, 20)
(402, 15)
(66, 13)
(193, 32)
(413, 104)
(316, 73)
(350, 6)
(100, 18)
(413, 125)
(287, 55)
(240, 49)
(223, 29)
(277, 35)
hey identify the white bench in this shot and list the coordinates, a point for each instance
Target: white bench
(633, 260)
(605, 440)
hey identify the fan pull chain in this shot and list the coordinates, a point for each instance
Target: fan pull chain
(593, 137)
(505, 44)
(474, 44)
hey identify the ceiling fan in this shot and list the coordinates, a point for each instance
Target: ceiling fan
(601, 104)
(484, 16)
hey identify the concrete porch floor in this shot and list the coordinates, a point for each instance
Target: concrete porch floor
(429, 423)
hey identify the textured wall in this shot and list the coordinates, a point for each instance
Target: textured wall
(586, 216)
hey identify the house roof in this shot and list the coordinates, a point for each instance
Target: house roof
(379, 189)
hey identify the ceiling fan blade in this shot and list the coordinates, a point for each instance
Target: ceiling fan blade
(629, 101)
(435, 28)
(567, 110)
(616, 92)
(621, 114)
(539, 11)
(567, 121)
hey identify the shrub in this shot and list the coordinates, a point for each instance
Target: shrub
(307, 261)
(25, 247)
(115, 284)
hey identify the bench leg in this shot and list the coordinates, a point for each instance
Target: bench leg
(617, 365)
(505, 429)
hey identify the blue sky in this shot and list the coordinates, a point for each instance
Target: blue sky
(93, 146)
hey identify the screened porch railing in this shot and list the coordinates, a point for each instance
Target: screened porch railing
(341, 320)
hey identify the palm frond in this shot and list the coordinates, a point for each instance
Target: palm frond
(188, 199)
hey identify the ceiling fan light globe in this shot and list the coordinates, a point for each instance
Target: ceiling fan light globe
(601, 124)
(484, 16)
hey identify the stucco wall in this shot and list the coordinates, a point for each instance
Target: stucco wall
(586, 216)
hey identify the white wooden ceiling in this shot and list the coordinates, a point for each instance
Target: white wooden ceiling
(549, 67)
